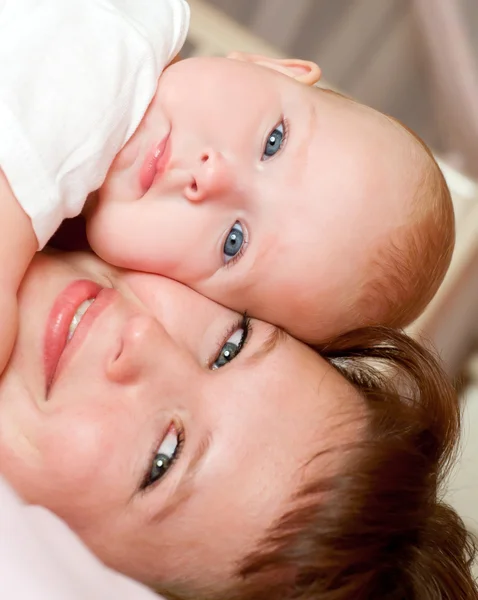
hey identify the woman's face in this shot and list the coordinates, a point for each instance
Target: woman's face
(166, 435)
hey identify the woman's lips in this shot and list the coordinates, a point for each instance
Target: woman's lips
(155, 163)
(57, 348)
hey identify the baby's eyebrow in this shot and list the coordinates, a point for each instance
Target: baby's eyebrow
(275, 337)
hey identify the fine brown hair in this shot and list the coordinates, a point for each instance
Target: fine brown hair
(410, 267)
(378, 529)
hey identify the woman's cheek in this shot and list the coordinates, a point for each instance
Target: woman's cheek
(70, 446)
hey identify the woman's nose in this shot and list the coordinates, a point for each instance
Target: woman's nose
(140, 345)
(212, 177)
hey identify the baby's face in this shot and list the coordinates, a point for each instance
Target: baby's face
(261, 192)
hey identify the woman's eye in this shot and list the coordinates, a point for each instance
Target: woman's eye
(274, 141)
(164, 457)
(234, 242)
(232, 346)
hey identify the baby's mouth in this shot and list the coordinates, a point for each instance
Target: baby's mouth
(155, 163)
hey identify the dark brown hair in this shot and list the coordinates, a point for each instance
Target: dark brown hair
(379, 529)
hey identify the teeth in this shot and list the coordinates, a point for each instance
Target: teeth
(170, 443)
(84, 306)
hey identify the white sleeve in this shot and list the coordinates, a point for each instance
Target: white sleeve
(76, 77)
(42, 559)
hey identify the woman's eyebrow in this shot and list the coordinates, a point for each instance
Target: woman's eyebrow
(276, 336)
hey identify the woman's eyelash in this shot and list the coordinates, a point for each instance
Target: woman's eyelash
(244, 323)
(145, 486)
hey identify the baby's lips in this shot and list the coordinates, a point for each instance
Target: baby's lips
(155, 163)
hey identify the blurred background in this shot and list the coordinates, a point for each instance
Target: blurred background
(399, 56)
(418, 61)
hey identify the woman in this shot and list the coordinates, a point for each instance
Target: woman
(208, 456)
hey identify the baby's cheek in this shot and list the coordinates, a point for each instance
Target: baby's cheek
(112, 235)
(225, 289)
(99, 233)
(274, 300)
(136, 236)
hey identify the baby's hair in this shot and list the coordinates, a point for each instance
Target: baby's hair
(379, 528)
(409, 268)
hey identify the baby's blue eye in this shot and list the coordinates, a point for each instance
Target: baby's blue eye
(234, 242)
(274, 141)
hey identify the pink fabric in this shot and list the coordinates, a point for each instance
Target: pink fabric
(41, 559)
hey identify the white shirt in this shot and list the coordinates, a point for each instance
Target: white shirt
(76, 77)
(41, 559)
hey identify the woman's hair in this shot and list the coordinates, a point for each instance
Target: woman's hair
(379, 529)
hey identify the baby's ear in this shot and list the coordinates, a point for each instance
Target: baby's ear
(304, 71)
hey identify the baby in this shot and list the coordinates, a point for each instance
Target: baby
(242, 180)
(76, 79)
(272, 196)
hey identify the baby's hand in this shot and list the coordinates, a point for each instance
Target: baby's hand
(8, 326)
(18, 245)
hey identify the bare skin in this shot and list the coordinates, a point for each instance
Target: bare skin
(85, 445)
(273, 196)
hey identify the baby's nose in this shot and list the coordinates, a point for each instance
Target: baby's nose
(212, 177)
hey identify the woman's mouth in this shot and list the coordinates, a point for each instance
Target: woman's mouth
(155, 163)
(70, 319)
(84, 306)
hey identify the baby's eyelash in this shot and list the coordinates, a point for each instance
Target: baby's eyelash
(286, 126)
(234, 259)
(285, 121)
